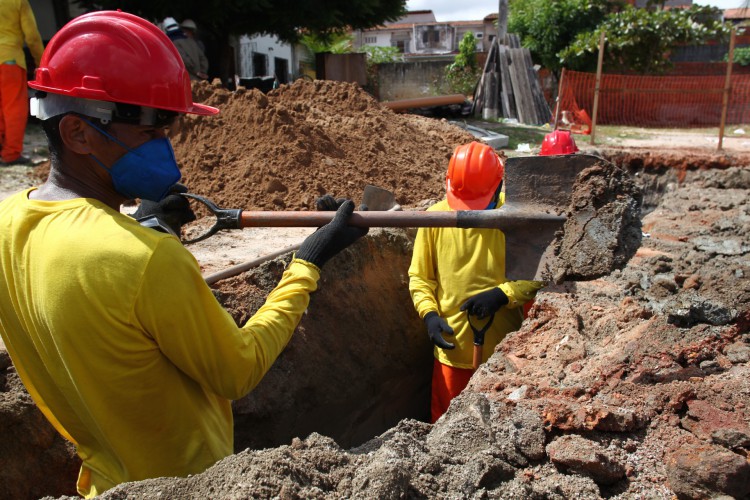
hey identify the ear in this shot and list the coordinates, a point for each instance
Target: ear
(76, 134)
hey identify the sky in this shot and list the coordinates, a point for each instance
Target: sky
(472, 10)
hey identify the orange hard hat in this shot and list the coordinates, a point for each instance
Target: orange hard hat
(474, 173)
(117, 57)
(558, 142)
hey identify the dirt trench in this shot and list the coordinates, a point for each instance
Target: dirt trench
(632, 385)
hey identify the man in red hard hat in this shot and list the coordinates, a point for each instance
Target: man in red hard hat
(109, 323)
(457, 277)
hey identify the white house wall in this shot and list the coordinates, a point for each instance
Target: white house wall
(270, 46)
(377, 39)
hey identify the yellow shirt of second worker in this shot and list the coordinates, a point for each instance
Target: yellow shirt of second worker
(449, 266)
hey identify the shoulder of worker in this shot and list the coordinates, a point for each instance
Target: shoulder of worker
(441, 206)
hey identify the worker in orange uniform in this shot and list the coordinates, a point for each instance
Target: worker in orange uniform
(558, 142)
(109, 323)
(17, 25)
(457, 277)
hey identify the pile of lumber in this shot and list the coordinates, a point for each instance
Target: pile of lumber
(509, 86)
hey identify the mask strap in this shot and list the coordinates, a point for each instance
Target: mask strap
(110, 137)
(107, 135)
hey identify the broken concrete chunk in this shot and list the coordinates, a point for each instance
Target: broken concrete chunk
(586, 457)
(698, 470)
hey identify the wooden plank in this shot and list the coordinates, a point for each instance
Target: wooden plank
(480, 97)
(543, 113)
(508, 100)
(520, 78)
(490, 111)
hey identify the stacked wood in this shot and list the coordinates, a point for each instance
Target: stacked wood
(509, 86)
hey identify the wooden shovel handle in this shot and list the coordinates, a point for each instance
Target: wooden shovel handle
(477, 356)
(498, 219)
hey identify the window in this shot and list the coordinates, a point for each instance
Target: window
(260, 64)
(371, 40)
(430, 36)
(281, 69)
(479, 36)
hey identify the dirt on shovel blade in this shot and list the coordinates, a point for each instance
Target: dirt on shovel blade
(603, 229)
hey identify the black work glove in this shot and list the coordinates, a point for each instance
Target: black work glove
(485, 303)
(330, 239)
(328, 203)
(173, 210)
(436, 326)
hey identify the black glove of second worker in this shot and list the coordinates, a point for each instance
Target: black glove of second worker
(436, 326)
(330, 239)
(173, 210)
(485, 303)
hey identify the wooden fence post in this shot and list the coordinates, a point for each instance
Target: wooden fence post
(557, 101)
(727, 90)
(596, 88)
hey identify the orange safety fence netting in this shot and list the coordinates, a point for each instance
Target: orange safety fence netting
(651, 101)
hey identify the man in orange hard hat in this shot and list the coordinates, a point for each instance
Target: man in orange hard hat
(109, 323)
(457, 277)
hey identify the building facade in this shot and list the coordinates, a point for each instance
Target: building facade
(419, 34)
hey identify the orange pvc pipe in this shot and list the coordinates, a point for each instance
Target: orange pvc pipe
(424, 102)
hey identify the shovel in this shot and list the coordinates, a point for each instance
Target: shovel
(537, 193)
(374, 197)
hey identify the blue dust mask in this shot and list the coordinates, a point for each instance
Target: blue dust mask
(146, 172)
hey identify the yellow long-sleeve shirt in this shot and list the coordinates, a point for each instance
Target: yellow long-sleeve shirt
(121, 343)
(449, 266)
(18, 25)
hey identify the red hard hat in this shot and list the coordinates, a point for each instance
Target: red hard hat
(117, 57)
(558, 142)
(474, 173)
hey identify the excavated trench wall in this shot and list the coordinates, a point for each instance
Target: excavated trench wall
(359, 360)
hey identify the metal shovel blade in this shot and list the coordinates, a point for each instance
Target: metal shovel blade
(536, 187)
(379, 199)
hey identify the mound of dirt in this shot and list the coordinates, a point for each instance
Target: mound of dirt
(281, 150)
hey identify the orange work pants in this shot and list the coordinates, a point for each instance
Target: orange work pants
(14, 110)
(447, 383)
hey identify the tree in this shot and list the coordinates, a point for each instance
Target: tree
(287, 19)
(336, 43)
(462, 75)
(381, 55)
(640, 40)
(548, 26)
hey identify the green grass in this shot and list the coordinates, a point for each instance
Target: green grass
(534, 135)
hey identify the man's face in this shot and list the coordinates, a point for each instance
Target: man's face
(129, 135)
